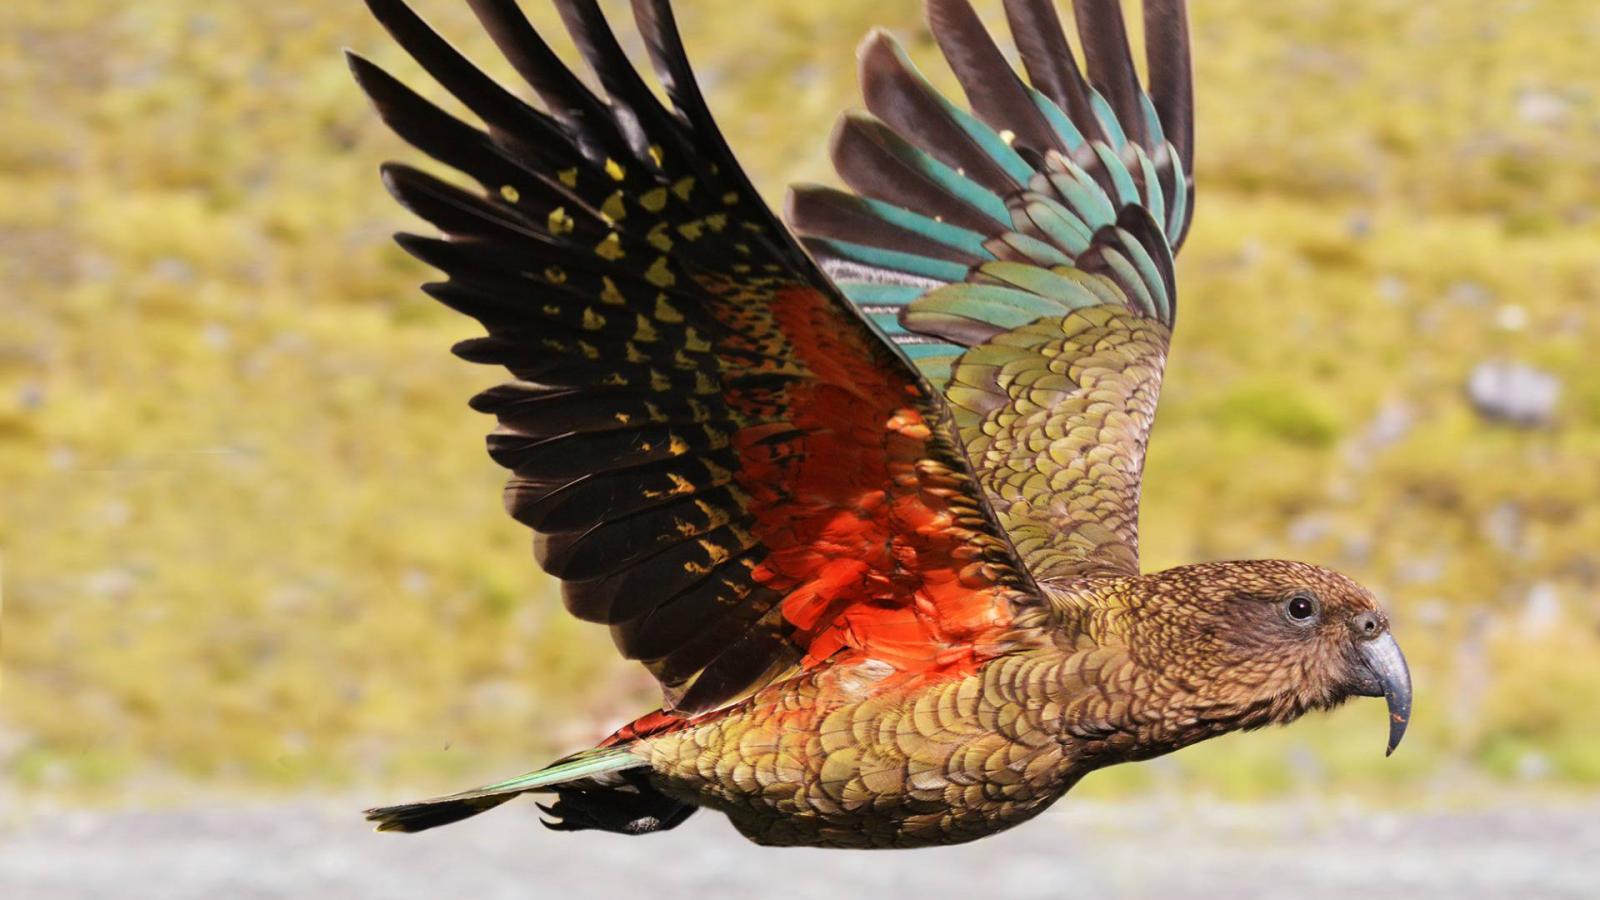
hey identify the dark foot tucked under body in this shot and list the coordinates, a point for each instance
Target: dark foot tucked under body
(635, 807)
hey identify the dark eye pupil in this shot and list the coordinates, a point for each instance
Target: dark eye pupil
(1301, 608)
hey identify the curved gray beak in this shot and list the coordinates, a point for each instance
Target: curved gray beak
(1389, 678)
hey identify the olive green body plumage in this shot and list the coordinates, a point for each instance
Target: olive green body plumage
(839, 759)
(824, 765)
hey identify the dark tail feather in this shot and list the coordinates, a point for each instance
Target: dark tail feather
(421, 816)
(410, 817)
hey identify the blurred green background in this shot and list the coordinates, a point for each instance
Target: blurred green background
(251, 539)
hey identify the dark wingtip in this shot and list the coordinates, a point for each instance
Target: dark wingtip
(875, 37)
(361, 68)
(1171, 73)
(1108, 61)
(363, 71)
(396, 179)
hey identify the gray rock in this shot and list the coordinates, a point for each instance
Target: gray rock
(1542, 107)
(1514, 392)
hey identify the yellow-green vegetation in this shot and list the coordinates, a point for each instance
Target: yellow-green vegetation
(248, 535)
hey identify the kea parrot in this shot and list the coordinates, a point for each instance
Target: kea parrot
(860, 490)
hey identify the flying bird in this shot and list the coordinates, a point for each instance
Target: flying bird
(860, 491)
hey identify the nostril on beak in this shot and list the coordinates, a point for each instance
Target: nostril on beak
(1368, 625)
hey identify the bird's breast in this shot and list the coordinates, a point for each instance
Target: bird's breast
(820, 762)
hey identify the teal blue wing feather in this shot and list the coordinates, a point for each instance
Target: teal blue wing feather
(1086, 172)
(1021, 255)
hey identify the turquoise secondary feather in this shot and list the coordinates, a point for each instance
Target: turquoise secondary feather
(1056, 222)
(918, 162)
(1065, 286)
(1082, 194)
(956, 238)
(1108, 121)
(986, 138)
(1058, 120)
(890, 260)
(1045, 198)
(1154, 200)
(1006, 307)
(1016, 245)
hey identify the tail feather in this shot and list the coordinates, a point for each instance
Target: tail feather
(425, 814)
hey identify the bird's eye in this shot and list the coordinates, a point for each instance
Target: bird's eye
(1301, 609)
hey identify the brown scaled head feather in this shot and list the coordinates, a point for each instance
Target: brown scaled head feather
(1253, 643)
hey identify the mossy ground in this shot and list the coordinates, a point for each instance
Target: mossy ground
(248, 536)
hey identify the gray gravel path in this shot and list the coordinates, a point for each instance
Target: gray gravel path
(1145, 849)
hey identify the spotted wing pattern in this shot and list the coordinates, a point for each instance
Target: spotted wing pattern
(718, 456)
(1021, 254)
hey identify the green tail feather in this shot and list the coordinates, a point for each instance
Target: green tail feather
(425, 814)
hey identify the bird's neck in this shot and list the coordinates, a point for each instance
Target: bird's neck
(1128, 696)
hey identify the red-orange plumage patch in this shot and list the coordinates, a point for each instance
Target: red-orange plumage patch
(721, 461)
(863, 541)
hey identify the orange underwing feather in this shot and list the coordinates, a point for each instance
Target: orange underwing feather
(718, 457)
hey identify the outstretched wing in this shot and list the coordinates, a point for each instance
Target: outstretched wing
(1020, 255)
(719, 457)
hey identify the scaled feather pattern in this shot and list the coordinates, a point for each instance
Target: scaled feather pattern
(860, 491)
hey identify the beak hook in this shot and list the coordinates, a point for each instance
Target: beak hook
(1387, 664)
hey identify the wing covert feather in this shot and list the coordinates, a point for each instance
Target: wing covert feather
(1049, 351)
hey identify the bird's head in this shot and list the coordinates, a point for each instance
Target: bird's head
(1264, 641)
